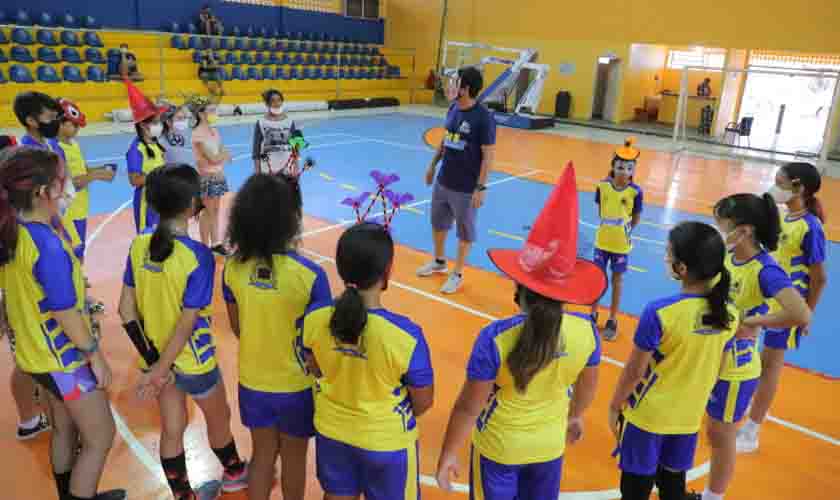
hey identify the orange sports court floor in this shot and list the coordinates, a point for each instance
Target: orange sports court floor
(800, 448)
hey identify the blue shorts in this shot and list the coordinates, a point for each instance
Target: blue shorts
(345, 470)
(493, 481)
(616, 262)
(643, 452)
(81, 231)
(785, 339)
(198, 386)
(730, 400)
(68, 386)
(291, 413)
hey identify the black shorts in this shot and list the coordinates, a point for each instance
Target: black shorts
(209, 74)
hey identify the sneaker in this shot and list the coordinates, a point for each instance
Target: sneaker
(453, 284)
(94, 306)
(111, 495)
(746, 441)
(235, 482)
(220, 250)
(693, 496)
(433, 267)
(42, 426)
(610, 331)
(211, 490)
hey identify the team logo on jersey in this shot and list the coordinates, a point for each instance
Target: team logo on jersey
(149, 265)
(263, 278)
(465, 128)
(735, 288)
(703, 325)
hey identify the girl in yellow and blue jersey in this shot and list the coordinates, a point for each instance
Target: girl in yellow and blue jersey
(44, 300)
(373, 378)
(619, 201)
(530, 377)
(750, 228)
(268, 287)
(676, 360)
(801, 254)
(166, 295)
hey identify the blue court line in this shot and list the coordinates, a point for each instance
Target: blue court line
(347, 148)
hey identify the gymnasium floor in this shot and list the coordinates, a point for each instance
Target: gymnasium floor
(346, 148)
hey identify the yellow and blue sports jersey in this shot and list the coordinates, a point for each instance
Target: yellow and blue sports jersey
(271, 300)
(527, 428)
(76, 166)
(687, 356)
(802, 245)
(616, 208)
(164, 289)
(754, 283)
(361, 397)
(139, 162)
(43, 277)
(51, 144)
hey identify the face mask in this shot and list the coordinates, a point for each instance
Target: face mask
(780, 195)
(49, 130)
(277, 110)
(180, 125)
(453, 89)
(156, 130)
(212, 118)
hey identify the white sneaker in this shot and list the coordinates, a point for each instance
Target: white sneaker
(431, 268)
(453, 284)
(746, 441)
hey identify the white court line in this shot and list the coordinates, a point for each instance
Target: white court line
(319, 146)
(413, 205)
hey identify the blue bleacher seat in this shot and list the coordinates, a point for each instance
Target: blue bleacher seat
(20, 74)
(355, 61)
(3, 58)
(192, 29)
(333, 60)
(170, 27)
(230, 58)
(3, 18)
(46, 19)
(273, 59)
(294, 47)
(71, 55)
(239, 44)
(262, 32)
(376, 51)
(330, 74)
(2, 77)
(72, 74)
(89, 22)
(47, 74)
(342, 73)
(297, 60)
(279, 74)
(196, 56)
(94, 56)
(71, 39)
(286, 59)
(254, 74)
(226, 44)
(266, 45)
(307, 73)
(235, 31)
(310, 60)
(253, 44)
(95, 74)
(304, 47)
(250, 32)
(294, 74)
(318, 74)
(22, 18)
(246, 58)
(345, 61)
(214, 43)
(22, 36)
(362, 74)
(47, 55)
(195, 43)
(259, 58)
(275, 34)
(224, 75)
(281, 46)
(68, 20)
(321, 60)
(92, 39)
(237, 74)
(177, 42)
(3, 38)
(21, 54)
(267, 73)
(114, 54)
(351, 73)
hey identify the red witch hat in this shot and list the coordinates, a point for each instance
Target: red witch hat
(141, 107)
(548, 264)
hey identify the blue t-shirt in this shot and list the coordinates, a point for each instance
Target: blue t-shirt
(466, 132)
(51, 144)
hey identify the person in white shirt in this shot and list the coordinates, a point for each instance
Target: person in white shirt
(177, 136)
(271, 150)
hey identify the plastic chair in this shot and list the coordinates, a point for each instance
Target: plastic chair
(196, 57)
(262, 32)
(22, 18)
(231, 59)
(280, 74)
(96, 74)
(736, 130)
(70, 39)
(260, 59)
(195, 43)
(71, 55)
(20, 74)
(72, 74)
(330, 74)
(90, 23)
(286, 60)
(307, 74)
(250, 32)
(298, 60)
(311, 60)
(246, 58)
(3, 38)
(47, 55)
(226, 44)
(267, 74)
(237, 74)
(46, 19)
(3, 58)
(92, 40)
(273, 59)
(294, 74)
(177, 42)
(171, 27)
(2, 77)
(253, 44)
(22, 36)
(254, 74)
(214, 43)
(68, 20)
(21, 54)
(192, 29)
(294, 47)
(239, 44)
(47, 37)
(235, 31)
(94, 56)
(47, 74)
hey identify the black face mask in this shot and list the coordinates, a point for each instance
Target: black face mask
(50, 129)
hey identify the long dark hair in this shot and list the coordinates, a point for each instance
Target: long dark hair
(250, 231)
(701, 249)
(363, 257)
(170, 190)
(760, 212)
(23, 171)
(541, 338)
(138, 128)
(807, 176)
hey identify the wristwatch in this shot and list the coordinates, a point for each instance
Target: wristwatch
(90, 351)
(480, 188)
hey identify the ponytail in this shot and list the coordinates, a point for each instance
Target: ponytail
(349, 316)
(769, 230)
(8, 227)
(718, 298)
(162, 244)
(540, 340)
(814, 205)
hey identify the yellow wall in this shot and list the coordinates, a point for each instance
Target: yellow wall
(642, 76)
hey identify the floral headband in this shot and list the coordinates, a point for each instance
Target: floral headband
(391, 200)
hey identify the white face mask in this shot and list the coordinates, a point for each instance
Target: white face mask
(453, 90)
(63, 205)
(730, 247)
(156, 130)
(277, 110)
(180, 125)
(779, 194)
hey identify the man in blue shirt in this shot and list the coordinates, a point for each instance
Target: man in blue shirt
(467, 151)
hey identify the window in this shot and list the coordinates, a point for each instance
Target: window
(709, 58)
(362, 8)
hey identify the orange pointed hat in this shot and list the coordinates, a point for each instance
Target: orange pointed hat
(548, 264)
(141, 107)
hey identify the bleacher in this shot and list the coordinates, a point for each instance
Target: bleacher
(64, 56)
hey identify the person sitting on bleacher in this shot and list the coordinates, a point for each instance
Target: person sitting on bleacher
(209, 72)
(123, 65)
(209, 24)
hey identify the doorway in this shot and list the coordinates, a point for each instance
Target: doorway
(607, 84)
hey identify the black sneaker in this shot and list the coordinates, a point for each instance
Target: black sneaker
(27, 434)
(111, 495)
(693, 496)
(220, 250)
(610, 331)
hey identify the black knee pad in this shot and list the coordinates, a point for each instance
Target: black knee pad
(671, 484)
(636, 487)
